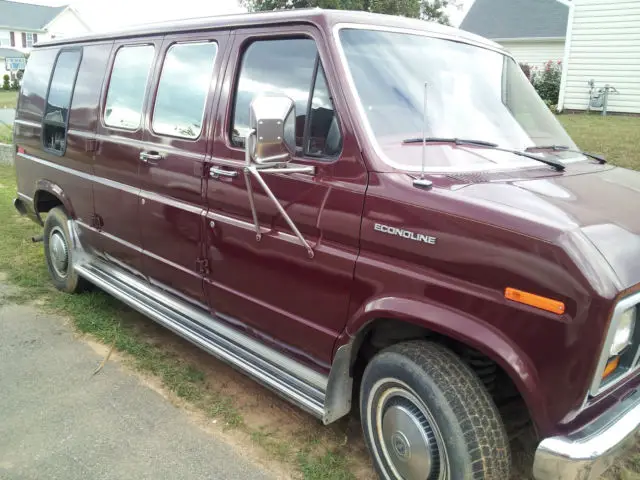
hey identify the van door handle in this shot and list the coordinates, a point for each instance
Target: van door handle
(147, 157)
(216, 172)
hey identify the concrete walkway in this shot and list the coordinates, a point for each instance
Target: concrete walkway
(59, 422)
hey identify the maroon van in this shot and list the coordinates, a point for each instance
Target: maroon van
(350, 206)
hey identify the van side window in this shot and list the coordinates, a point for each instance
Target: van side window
(127, 86)
(182, 91)
(56, 114)
(287, 67)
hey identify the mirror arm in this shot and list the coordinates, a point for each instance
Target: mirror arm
(256, 174)
(282, 211)
(247, 178)
(293, 169)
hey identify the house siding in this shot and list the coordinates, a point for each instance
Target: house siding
(535, 53)
(66, 24)
(604, 46)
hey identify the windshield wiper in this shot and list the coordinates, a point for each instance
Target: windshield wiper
(494, 146)
(564, 148)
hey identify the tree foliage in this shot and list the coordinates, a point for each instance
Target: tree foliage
(434, 10)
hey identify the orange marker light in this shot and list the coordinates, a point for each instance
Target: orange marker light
(611, 367)
(543, 303)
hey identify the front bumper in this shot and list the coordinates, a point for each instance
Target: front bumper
(587, 453)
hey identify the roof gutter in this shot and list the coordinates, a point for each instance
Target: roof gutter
(13, 28)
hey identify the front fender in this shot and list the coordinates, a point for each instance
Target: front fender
(463, 328)
(54, 189)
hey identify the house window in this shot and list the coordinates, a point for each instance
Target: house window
(5, 38)
(29, 40)
(183, 88)
(288, 67)
(56, 115)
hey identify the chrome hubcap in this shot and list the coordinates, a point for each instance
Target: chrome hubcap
(59, 251)
(409, 438)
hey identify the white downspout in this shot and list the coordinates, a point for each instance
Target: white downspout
(567, 54)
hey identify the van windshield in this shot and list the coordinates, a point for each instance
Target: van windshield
(472, 92)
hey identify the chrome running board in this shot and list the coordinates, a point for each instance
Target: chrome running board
(295, 382)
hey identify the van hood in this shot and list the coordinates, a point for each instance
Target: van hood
(602, 202)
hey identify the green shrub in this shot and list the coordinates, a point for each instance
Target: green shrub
(15, 84)
(547, 81)
(5, 83)
(553, 106)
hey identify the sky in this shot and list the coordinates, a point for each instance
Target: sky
(113, 14)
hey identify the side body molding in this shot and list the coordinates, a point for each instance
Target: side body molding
(459, 326)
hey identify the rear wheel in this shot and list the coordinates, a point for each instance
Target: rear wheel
(59, 254)
(426, 416)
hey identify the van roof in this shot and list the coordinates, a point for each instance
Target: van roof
(316, 16)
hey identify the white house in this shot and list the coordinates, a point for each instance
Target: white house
(23, 24)
(533, 31)
(603, 45)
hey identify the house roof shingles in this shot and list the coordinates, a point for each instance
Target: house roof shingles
(27, 16)
(502, 19)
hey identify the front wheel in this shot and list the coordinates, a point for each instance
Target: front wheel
(427, 416)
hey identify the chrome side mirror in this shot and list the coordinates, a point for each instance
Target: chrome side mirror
(272, 119)
(269, 147)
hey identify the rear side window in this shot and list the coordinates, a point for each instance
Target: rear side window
(288, 67)
(127, 87)
(182, 91)
(56, 114)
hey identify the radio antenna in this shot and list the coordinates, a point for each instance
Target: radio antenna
(423, 182)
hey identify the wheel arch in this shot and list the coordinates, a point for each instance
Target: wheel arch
(49, 195)
(459, 327)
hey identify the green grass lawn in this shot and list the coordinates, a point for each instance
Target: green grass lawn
(616, 137)
(6, 133)
(8, 98)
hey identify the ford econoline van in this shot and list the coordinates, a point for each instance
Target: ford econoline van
(347, 206)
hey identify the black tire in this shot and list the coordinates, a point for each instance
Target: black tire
(57, 248)
(426, 415)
